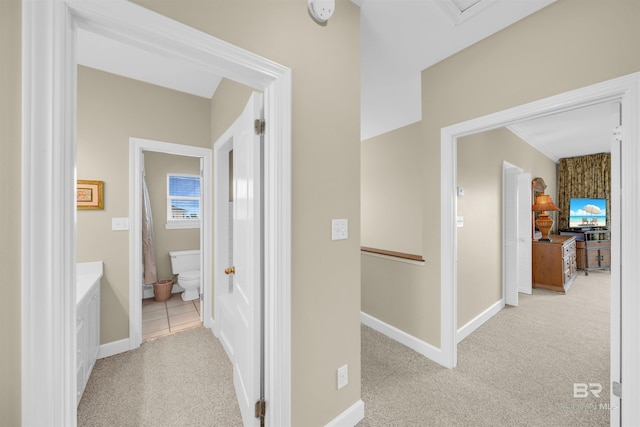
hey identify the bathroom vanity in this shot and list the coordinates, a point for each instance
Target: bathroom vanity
(88, 275)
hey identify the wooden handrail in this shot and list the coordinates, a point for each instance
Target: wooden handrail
(395, 254)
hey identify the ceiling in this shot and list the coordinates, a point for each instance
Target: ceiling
(587, 130)
(399, 38)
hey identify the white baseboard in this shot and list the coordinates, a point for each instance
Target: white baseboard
(416, 344)
(478, 321)
(350, 417)
(113, 348)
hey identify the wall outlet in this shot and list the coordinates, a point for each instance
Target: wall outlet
(343, 376)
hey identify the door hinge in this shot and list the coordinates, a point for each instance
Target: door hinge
(617, 133)
(261, 409)
(259, 126)
(616, 389)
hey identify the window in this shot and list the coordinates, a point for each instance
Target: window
(183, 201)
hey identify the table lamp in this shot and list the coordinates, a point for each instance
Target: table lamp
(544, 222)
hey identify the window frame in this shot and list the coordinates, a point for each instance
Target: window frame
(173, 223)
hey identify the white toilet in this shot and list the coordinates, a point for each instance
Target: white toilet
(186, 264)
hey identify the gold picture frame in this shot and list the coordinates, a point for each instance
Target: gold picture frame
(89, 194)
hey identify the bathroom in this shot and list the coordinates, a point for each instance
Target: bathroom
(111, 110)
(176, 238)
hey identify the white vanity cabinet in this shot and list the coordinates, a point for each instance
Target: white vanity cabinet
(87, 321)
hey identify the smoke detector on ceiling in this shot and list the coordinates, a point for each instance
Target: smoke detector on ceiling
(321, 10)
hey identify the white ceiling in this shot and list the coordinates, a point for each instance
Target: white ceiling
(579, 132)
(399, 38)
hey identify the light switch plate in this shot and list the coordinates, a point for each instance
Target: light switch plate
(339, 229)
(118, 224)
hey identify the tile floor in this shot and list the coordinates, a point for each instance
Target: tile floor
(168, 317)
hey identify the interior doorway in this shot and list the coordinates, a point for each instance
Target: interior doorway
(623, 90)
(49, 83)
(138, 147)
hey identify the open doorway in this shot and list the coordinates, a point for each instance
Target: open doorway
(623, 90)
(156, 160)
(51, 84)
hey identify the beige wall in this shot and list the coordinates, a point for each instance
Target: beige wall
(157, 166)
(326, 181)
(10, 135)
(480, 159)
(112, 109)
(226, 106)
(393, 191)
(565, 46)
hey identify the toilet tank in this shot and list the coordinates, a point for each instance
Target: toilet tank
(182, 261)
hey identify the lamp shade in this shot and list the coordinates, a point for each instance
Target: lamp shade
(544, 203)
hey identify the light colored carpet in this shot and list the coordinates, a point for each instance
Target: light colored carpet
(518, 369)
(184, 379)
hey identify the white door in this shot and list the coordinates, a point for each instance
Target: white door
(510, 232)
(247, 257)
(524, 233)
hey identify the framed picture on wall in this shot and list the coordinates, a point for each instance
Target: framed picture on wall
(89, 194)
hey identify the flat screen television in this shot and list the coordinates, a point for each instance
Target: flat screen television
(586, 212)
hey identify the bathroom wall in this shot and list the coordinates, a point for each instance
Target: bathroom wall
(157, 166)
(111, 109)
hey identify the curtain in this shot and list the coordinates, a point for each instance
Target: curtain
(148, 239)
(584, 177)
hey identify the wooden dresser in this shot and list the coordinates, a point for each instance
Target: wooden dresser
(554, 263)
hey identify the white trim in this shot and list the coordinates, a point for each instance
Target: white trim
(113, 348)
(349, 417)
(479, 320)
(48, 341)
(48, 182)
(136, 148)
(416, 344)
(624, 249)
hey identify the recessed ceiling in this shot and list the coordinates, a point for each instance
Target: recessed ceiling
(114, 57)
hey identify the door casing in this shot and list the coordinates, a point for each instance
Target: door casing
(48, 245)
(624, 251)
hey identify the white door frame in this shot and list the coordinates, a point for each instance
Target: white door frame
(136, 147)
(624, 249)
(48, 250)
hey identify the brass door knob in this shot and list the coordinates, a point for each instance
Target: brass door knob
(230, 270)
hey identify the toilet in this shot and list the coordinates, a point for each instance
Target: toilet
(186, 264)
